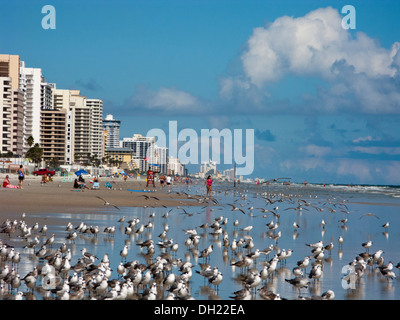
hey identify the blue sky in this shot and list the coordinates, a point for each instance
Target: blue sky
(323, 101)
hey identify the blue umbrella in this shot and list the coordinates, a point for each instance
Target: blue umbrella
(79, 172)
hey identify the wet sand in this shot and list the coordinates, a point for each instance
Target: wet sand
(60, 197)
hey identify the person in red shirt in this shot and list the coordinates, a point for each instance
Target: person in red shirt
(7, 184)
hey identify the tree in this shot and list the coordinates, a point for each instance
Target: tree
(30, 141)
(54, 163)
(35, 153)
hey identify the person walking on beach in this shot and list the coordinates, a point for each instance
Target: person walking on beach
(208, 184)
(169, 179)
(162, 179)
(21, 175)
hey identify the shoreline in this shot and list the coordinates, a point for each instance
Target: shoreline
(59, 196)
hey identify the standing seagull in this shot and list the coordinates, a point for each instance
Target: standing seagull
(367, 245)
(299, 283)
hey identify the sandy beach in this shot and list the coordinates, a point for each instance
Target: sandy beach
(59, 196)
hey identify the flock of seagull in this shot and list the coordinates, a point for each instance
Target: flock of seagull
(164, 274)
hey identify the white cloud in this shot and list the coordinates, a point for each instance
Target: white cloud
(311, 45)
(364, 139)
(359, 169)
(314, 150)
(357, 74)
(378, 150)
(166, 99)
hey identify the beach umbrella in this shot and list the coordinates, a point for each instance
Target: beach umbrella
(79, 172)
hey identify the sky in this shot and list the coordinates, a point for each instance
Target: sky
(323, 100)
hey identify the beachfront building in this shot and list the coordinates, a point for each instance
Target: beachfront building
(161, 158)
(175, 167)
(111, 126)
(207, 168)
(229, 174)
(5, 114)
(17, 122)
(33, 91)
(83, 119)
(53, 128)
(96, 127)
(143, 148)
(124, 156)
(10, 66)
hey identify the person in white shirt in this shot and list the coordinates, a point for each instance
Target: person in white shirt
(168, 181)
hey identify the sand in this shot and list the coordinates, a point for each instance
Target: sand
(60, 197)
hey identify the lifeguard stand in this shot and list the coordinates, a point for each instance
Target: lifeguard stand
(150, 178)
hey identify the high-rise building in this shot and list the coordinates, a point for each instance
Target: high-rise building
(96, 127)
(143, 148)
(33, 88)
(112, 126)
(5, 114)
(84, 131)
(175, 167)
(17, 123)
(53, 128)
(10, 68)
(161, 158)
(208, 168)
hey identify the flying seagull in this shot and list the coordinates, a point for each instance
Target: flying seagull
(106, 203)
(369, 215)
(234, 208)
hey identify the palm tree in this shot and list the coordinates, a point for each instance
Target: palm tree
(30, 141)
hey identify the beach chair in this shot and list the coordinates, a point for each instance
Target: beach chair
(96, 185)
(108, 185)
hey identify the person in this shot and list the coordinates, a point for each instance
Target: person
(81, 179)
(7, 184)
(125, 177)
(168, 181)
(208, 184)
(79, 185)
(162, 179)
(21, 175)
(43, 179)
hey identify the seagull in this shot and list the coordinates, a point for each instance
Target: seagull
(267, 294)
(370, 215)
(299, 283)
(122, 219)
(316, 272)
(106, 203)
(367, 245)
(328, 295)
(317, 245)
(340, 240)
(72, 236)
(303, 264)
(243, 294)
(148, 197)
(216, 279)
(386, 225)
(124, 252)
(247, 229)
(234, 208)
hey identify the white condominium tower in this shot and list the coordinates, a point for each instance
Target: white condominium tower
(112, 126)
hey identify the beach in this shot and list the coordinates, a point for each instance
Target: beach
(356, 214)
(59, 196)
